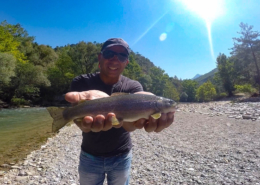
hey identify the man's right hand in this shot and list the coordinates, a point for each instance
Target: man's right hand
(88, 123)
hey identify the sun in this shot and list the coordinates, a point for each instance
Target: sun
(206, 9)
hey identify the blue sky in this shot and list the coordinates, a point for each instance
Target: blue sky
(184, 48)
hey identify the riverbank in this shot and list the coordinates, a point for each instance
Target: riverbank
(22, 131)
(209, 143)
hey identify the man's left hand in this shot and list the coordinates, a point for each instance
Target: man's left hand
(151, 125)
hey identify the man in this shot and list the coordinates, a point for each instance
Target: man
(106, 148)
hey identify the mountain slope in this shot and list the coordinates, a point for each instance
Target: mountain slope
(208, 76)
(196, 76)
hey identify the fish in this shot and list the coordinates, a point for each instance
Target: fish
(127, 107)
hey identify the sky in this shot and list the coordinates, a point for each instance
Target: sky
(182, 37)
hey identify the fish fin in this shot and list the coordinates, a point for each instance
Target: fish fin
(115, 121)
(58, 120)
(156, 115)
(119, 93)
(78, 119)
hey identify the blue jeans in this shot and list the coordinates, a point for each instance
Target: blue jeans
(92, 169)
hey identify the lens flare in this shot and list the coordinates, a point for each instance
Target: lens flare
(163, 36)
(210, 40)
(141, 36)
(208, 10)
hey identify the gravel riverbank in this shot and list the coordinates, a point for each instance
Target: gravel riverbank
(209, 143)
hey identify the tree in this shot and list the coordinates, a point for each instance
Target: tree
(161, 84)
(61, 74)
(247, 49)
(85, 55)
(190, 87)
(9, 44)
(158, 81)
(28, 80)
(42, 55)
(132, 70)
(226, 73)
(177, 83)
(7, 66)
(206, 92)
(146, 82)
(183, 97)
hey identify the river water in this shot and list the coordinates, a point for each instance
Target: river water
(22, 131)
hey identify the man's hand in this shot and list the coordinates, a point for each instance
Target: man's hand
(88, 123)
(151, 125)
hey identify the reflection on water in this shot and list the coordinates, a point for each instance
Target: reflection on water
(21, 131)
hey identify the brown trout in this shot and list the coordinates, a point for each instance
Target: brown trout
(127, 107)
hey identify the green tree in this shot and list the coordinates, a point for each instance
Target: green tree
(61, 74)
(161, 84)
(28, 80)
(146, 82)
(145, 64)
(171, 92)
(158, 81)
(206, 92)
(177, 83)
(7, 66)
(132, 70)
(42, 55)
(85, 55)
(8, 44)
(247, 50)
(226, 73)
(183, 97)
(190, 87)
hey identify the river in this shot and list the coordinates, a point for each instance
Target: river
(22, 131)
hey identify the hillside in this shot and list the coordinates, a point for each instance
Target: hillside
(204, 78)
(196, 76)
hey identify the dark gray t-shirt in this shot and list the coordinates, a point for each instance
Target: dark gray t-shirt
(116, 140)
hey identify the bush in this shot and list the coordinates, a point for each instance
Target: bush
(206, 92)
(220, 96)
(246, 88)
(19, 101)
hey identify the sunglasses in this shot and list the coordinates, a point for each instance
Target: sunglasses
(107, 54)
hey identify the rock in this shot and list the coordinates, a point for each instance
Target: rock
(22, 173)
(5, 165)
(246, 116)
(2, 173)
(22, 178)
(15, 167)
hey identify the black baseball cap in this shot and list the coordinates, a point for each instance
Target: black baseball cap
(115, 42)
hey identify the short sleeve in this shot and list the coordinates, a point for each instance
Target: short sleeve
(135, 86)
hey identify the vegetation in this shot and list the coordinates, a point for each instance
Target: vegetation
(239, 72)
(31, 73)
(206, 92)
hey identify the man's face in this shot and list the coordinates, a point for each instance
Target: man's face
(112, 67)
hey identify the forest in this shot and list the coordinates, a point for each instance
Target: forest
(37, 74)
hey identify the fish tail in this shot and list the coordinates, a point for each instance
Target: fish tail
(58, 120)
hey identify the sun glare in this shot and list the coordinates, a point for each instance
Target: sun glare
(206, 9)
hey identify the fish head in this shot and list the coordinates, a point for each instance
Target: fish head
(166, 105)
